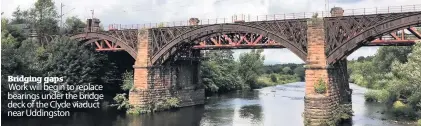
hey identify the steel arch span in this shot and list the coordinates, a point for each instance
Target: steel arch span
(346, 34)
(108, 42)
(290, 34)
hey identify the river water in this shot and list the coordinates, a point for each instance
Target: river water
(281, 105)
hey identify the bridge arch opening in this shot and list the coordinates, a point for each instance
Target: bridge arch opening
(230, 36)
(354, 32)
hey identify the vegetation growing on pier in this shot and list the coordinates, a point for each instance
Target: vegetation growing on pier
(320, 87)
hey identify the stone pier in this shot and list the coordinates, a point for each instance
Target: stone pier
(325, 108)
(175, 79)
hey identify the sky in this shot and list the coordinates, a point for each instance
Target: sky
(155, 11)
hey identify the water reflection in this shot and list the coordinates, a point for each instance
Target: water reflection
(252, 113)
(272, 106)
(182, 117)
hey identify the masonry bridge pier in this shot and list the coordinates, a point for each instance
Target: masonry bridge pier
(168, 58)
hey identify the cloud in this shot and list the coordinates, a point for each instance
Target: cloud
(155, 11)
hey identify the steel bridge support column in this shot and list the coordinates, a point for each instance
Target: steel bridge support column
(323, 109)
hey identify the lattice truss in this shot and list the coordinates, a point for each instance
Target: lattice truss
(278, 33)
(406, 36)
(105, 45)
(348, 33)
(237, 40)
(128, 37)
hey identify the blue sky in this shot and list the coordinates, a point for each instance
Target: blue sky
(147, 11)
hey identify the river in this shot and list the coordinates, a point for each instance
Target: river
(281, 105)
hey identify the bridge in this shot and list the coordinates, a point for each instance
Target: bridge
(168, 56)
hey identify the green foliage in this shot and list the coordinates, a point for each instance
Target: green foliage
(137, 111)
(45, 17)
(160, 25)
(173, 102)
(345, 111)
(381, 96)
(273, 78)
(375, 72)
(387, 55)
(409, 77)
(300, 72)
(419, 122)
(155, 106)
(394, 71)
(320, 87)
(287, 70)
(128, 81)
(250, 67)
(220, 72)
(166, 104)
(64, 57)
(266, 80)
(61, 57)
(315, 20)
(122, 101)
(292, 69)
(73, 25)
(399, 109)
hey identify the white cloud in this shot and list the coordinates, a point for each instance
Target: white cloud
(154, 11)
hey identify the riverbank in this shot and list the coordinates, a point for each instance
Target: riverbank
(391, 76)
(267, 80)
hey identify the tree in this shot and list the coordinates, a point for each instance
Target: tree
(77, 64)
(19, 17)
(45, 15)
(73, 25)
(407, 84)
(286, 70)
(273, 78)
(361, 58)
(251, 65)
(300, 72)
(220, 72)
(386, 55)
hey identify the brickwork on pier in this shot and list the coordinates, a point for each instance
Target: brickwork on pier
(321, 109)
(318, 108)
(179, 79)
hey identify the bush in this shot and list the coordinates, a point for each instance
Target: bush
(128, 81)
(173, 102)
(121, 101)
(419, 122)
(400, 109)
(161, 105)
(273, 78)
(320, 87)
(166, 104)
(381, 96)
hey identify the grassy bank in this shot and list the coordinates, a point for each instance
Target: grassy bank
(276, 79)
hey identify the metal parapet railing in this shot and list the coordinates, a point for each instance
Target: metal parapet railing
(250, 18)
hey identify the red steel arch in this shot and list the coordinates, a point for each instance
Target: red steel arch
(116, 43)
